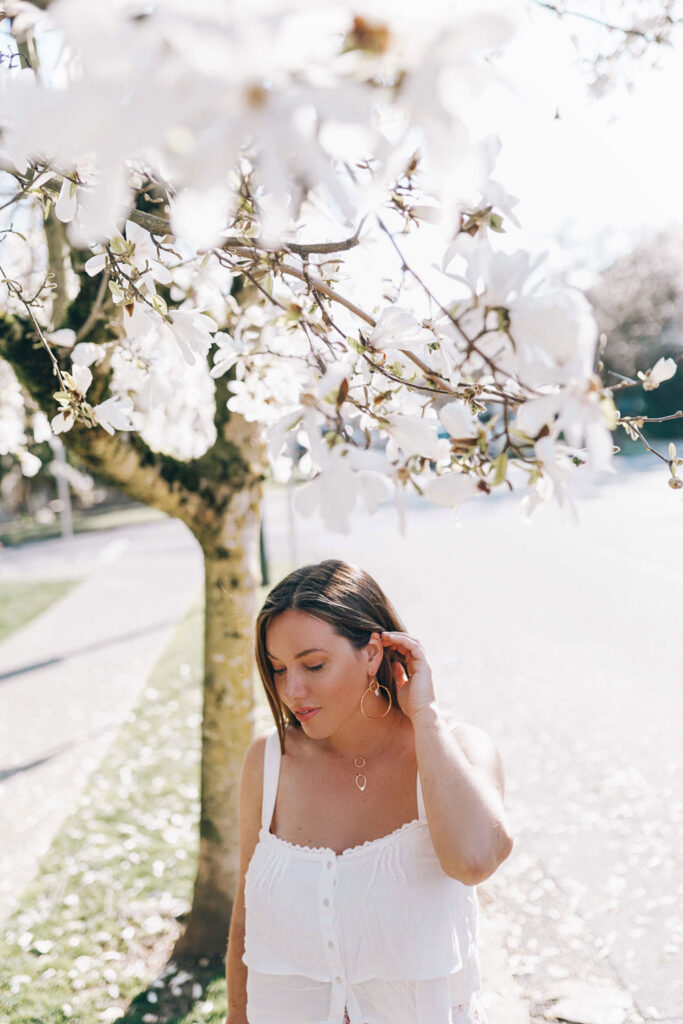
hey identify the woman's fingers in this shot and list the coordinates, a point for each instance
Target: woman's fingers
(401, 677)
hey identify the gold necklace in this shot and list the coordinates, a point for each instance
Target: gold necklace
(360, 762)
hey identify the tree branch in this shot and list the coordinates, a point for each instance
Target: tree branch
(561, 12)
(58, 259)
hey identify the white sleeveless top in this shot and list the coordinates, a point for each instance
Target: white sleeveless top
(379, 931)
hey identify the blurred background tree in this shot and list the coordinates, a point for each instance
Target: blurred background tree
(638, 302)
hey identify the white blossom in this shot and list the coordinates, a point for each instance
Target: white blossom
(451, 489)
(192, 331)
(67, 203)
(664, 369)
(114, 414)
(458, 419)
(414, 435)
(63, 421)
(397, 328)
(30, 464)
(87, 352)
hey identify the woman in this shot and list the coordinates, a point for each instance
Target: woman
(366, 820)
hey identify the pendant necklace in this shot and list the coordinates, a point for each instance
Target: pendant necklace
(360, 762)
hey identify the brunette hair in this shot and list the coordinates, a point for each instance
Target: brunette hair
(336, 592)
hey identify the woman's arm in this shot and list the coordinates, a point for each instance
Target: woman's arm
(462, 784)
(251, 789)
(461, 774)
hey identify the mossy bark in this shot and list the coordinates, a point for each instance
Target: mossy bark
(231, 581)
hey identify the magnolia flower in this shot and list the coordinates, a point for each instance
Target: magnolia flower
(144, 257)
(192, 331)
(346, 474)
(198, 215)
(63, 421)
(87, 352)
(580, 413)
(556, 481)
(664, 369)
(556, 335)
(63, 338)
(458, 419)
(333, 492)
(450, 489)
(397, 328)
(82, 379)
(67, 203)
(41, 427)
(95, 264)
(414, 436)
(30, 464)
(114, 414)
(228, 351)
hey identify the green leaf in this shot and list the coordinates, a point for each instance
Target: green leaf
(501, 467)
(118, 245)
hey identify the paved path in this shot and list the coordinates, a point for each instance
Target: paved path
(69, 678)
(566, 646)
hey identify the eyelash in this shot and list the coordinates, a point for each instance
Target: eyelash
(311, 668)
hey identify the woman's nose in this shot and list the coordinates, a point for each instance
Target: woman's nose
(294, 687)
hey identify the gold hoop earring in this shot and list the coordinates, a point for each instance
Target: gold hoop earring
(375, 687)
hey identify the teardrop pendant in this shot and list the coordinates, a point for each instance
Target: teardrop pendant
(361, 781)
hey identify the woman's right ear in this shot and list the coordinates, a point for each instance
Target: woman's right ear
(376, 652)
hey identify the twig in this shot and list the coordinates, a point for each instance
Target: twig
(631, 420)
(18, 292)
(561, 12)
(95, 309)
(649, 446)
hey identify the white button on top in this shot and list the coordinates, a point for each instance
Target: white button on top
(338, 980)
(329, 863)
(326, 902)
(330, 945)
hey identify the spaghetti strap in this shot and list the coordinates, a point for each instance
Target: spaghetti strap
(421, 812)
(271, 775)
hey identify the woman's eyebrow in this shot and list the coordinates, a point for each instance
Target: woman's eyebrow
(309, 650)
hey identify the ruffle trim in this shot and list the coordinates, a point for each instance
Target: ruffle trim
(328, 851)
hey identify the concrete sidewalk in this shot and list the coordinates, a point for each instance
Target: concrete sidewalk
(69, 678)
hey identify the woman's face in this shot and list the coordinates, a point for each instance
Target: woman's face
(318, 674)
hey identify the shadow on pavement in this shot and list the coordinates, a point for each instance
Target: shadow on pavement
(76, 652)
(8, 773)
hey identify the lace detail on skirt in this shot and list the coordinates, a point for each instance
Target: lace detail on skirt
(472, 1013)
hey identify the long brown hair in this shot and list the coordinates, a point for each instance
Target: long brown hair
(336, 592)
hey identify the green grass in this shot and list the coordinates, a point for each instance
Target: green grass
(21, 602)
(19, 531)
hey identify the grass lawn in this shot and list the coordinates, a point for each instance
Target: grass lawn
(21, 602)
(96, 926)
(18, 531)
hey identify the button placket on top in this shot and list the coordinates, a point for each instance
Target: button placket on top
(326, 894)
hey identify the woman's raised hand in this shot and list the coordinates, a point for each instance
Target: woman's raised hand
(414, 686)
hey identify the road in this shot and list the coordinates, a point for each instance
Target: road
(565, 645)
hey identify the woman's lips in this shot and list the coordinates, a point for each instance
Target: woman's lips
(304, 714)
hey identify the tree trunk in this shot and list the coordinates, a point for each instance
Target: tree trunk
(232, 576)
